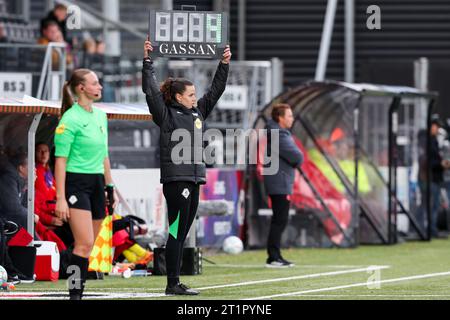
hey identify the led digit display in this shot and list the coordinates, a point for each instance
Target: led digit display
(188, 34)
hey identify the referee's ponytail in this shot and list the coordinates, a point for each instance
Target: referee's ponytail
(69, 89)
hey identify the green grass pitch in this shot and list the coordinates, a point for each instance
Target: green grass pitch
(412, 270)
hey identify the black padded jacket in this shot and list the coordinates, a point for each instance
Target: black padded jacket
(175, 116)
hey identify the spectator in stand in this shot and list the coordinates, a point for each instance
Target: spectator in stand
(51, 33)
(93, 53)
(58, 15)
(3, 38)
(101, 47)
(70, 61)
(89, 51)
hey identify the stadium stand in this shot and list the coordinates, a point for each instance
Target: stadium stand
(15, 28)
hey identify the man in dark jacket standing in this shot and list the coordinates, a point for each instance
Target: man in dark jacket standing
(279, 186)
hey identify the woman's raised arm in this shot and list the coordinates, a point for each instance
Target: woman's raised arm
(153, 95)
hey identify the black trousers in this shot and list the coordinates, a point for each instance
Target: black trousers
(182, 203)
(280, 207)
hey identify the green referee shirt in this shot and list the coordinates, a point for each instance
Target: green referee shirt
(82, 138)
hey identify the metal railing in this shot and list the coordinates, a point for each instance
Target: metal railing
(50, 70)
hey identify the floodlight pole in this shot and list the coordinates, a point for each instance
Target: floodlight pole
(241, 29)
(111, 10)
(326, 40)
(167, 5)
(350, 41)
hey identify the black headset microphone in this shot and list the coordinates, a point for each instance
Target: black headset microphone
(94, 94)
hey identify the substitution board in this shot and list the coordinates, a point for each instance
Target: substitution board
(188, 34)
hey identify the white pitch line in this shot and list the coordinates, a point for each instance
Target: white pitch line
(263, 266)
(127, 289)
(56, 295)
(361, 284)
(125, 295)
(305, 276)
(90, 288)
(239, 284)
(375, 295)
(129, 295)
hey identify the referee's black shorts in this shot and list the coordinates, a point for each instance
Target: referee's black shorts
(86, 192)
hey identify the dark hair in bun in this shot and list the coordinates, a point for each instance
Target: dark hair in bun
(171, 87)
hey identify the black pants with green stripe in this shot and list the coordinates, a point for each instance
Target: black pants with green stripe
(182, 203)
